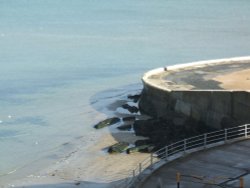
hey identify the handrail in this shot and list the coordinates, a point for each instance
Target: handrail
(189, 145)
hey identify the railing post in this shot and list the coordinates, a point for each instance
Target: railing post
(151, 159)
(140, 168)
(185, 145)
(178, 178)
(241, 182)
(159, 183)
(245, 131)
(205, 140)
(225, 133)
(166, 153)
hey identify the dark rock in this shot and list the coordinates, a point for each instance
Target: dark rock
(118, 147)
(125, 127)
(135, 98)
(131, 109)
(107, 122)
(126, 106)
(142, 148)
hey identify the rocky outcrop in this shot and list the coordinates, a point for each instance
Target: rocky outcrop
(160, 131)
(125, 127)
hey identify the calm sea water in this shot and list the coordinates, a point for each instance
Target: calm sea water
(56, 57)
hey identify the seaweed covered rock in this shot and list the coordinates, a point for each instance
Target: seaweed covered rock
(125, 127)
(107, 122)
(118, 147)
(131, 109)
(142, 148)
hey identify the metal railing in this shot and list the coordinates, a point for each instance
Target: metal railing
(186, 146)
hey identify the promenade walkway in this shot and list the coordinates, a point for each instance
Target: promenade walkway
(216, 167)
(227, 75)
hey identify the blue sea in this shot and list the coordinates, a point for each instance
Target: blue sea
(62, 62)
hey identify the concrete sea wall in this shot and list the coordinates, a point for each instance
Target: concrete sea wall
(217, 108)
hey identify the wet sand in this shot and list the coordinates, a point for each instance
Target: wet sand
(99, 170)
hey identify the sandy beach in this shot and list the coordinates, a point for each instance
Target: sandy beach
(100, 169)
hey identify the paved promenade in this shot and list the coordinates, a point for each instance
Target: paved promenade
(228, 75)
(216, 167)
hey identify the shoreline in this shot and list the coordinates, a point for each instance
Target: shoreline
(100, 170)
(91, 165)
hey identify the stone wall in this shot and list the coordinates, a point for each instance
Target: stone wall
(218, 109)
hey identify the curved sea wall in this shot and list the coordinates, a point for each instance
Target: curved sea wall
(218, 108)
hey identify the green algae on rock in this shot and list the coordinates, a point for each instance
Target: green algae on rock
(118, 147)
(142, 148)
(107, 122)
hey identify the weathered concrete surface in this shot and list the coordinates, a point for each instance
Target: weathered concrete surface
(222, 165)
(204, 75)
(215, 92)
